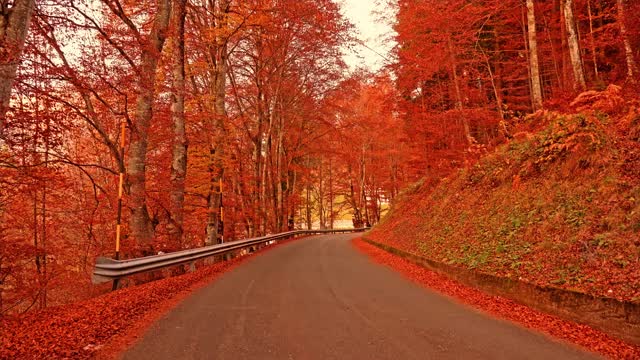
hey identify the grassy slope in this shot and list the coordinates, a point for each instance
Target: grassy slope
(558, 207)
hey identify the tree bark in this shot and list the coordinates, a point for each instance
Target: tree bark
(331, 214)
(219, 62)
(456, 84)
(14, 25)
(141, 226)
(308, 203)
(574, 47)
(321, 214)
(592, 40)
(179, 156)
(536, 84)
(632, 67)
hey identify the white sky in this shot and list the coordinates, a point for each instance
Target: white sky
(371, 30)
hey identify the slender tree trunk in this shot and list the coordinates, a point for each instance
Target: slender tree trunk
(454, 75)
(256, 176)
(242, 194)
(574, 47)
(36, 244)
(564, 48)
(496, 84)
(592, 39)
(525, 37)
(308, 210)
(293, 181)
(554, 55)
(179, 156)
(43, 212)
(632, 67)
(280, 175)
(219, 55)
(357, 217)
(140, 222)
(456, 85)
(363, 180)
(264, 221)
(536, 84)
(331, 214)
(14, 25)
(214, 202)
(36, 225)
(321, 214)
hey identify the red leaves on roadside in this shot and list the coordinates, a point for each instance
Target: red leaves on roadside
(80, 330)
(504, 308)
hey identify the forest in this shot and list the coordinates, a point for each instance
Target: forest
(129, 128)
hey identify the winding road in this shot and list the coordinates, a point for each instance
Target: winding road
(320, 298)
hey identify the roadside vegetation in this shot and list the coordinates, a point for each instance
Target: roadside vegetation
(558, 205)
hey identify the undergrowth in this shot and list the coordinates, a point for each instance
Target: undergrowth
(557, 206)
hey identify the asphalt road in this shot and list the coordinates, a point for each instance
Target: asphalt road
(319, 298)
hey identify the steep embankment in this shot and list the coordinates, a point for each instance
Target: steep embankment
(559, 206)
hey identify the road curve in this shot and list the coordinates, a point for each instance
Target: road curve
(319, 298)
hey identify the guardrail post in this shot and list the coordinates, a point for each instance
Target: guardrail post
(192, 266)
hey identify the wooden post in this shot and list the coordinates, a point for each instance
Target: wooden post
(120, 193)
(221, 212)
(120, 189)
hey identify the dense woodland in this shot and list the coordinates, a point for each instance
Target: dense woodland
(225, 119)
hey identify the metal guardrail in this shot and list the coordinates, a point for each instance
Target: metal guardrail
(107, 269)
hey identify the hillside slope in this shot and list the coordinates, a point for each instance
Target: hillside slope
(559, 205)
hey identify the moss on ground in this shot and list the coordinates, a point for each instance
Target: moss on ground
(558, 207)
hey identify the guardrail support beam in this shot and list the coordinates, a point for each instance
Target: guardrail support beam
(113, 270)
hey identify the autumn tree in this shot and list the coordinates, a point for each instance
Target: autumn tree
(574, 46)
(15, 17)
(507, 57)
(632, 67)
(279, 72)
(179, 151)
(536, 85)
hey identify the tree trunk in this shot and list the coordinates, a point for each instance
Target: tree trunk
(14, 25)
(179, 156)
(331, 214)
(536, 84)
(592, 40)
(554, 56)
(308, 209)
(43, 212)
(363, 182)
(219, 62)
(214, 202)
(564, 85)
(281, 191)
(141, 226)
(321, 214)
(574, 47)
(632, 68)
(456, 85)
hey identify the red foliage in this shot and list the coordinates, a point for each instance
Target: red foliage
(504, 308)
(80, 79)
(80, 330)
(455, 55)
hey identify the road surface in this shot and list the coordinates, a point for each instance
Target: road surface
(319, 298)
